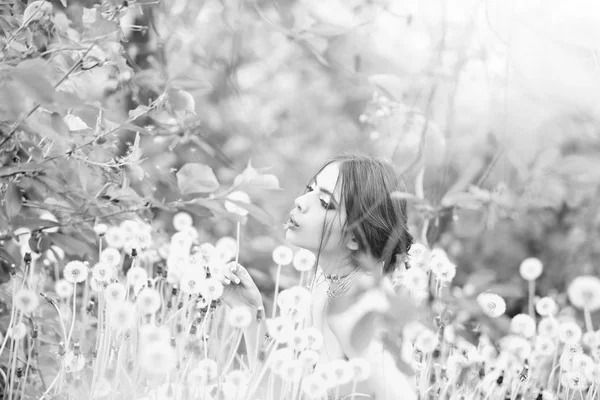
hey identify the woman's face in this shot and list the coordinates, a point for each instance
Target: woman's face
(320, 205)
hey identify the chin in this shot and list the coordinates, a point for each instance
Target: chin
(294, 239)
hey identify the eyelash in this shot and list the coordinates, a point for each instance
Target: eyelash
(327, 206)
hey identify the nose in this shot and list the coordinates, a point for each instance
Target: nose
(300, 203)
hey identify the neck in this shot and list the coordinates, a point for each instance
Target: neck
(335, 264)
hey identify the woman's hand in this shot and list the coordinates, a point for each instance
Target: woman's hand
(239, 288)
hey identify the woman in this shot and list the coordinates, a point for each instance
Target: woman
(345, 215)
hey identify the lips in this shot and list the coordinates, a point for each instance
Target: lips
(291, 223)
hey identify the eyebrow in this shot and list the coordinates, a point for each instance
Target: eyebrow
(326, 191)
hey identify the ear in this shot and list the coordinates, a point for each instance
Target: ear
(352, 244)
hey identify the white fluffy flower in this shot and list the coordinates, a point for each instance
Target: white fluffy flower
(111, 256)
(282, 255)
(226, 248)
(549, 327)
(148, 301)
(102, 272)
(523, 324)
(569, 332)
(361, 368)
(426, 341)
(136, 276)
(531, 268)
(182, 221)
(76, 271)
(584, 292)
(492, 304)
(204, 374)
(211, 289)
(546, 306)
(63, 288)
(26, 300)
(303, 260)
(239, 317)
(115, 237)
(115, 292)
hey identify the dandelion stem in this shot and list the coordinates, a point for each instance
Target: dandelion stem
(531, 298)
(235, 347)
(588, 318)
(274, 311)
(12, 317)
(74, 315)
(237, 241)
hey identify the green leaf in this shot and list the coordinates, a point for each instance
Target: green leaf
(196, 178)
(71, 245)
(258, 213)
(13, 201)
(102, 28)
(461, 200)
(31, 75)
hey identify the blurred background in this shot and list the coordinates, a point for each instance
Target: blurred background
(489, 108)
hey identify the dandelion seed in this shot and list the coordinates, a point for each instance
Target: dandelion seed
(18, 331)
(63, 289)
(181, 243)
(111, 256)
(122, 315)
(548, 327)
(295, 298)
(130, 228)
(361, 369)
(100, 229)
(115, 292)
(492, 304)
(205, 254)
(581, 362)
(280, 328)
(291, 370)
(235, 385)
(427, 341)
(592, 372)
(548, 395)
(314, 338)
(544, 346)
(204, 374)
(531, 268)
(523, 324)
(415, 279)
(417, 251)
(569, 332)
(226, 248)
(102, 272)
(314, 386)
(148, 301)
(136, 275)
(239, 317)
(282, 255)
(26, 301)
(447, 273)
(304, 260)
(74, 362)
(211, 289)
(182, 221)
(584, 292)
(279, 358)
(298, 340)
(115, 237)
(309, 358)
(76, 272)
(546, 306)
(154, 335)
(574, 380)
(589, 339)
(158, 360)
(142, 240)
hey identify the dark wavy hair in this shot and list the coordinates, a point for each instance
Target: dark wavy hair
(376, 219)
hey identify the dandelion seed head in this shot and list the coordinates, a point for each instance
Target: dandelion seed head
(584, 292)
(63, 288)
(549, 327)
(135, 275)
(282, 255)
(309, 358)
(181, 242)
(74, 362)
(211, 289)
(148, 301)
(26, 300)
(546, 306)
(115, 292)
(304, 260)
(239, 317)
(205, 373)
(226, 248)
(110, 256)
(569, 332)
(426, 341)
(182, 221)
(523, 324)
(492, 304)
(18, 331)
(361, 368)
(102, 272)
(158, 360)
(115, 237)
(122, 314)
(314, 386)
(75, 271)
(154, 335)
(531, 268)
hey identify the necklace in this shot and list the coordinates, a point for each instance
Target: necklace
(338, 285)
